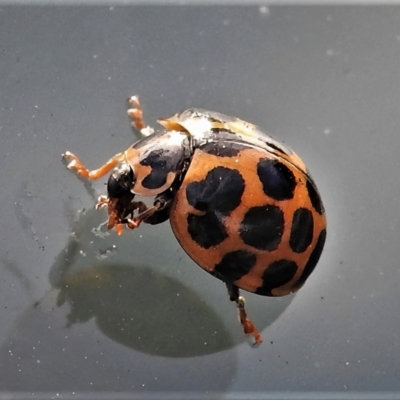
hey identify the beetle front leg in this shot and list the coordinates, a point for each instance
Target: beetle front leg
(135, 222)
(248, 326)
(136, 113)
(76, 165)
(154, 215)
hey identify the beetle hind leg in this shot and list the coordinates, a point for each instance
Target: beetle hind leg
(136, 114)
(248, 326)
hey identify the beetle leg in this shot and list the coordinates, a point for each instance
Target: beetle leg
(248, 326)
(76, 164)
(144, 214)
(119, 220)
(136, 113)
(154, 215)
(162, 214)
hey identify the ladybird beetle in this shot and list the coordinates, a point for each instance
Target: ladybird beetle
(241, 204)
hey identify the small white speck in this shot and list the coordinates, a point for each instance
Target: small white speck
(330, 52)
(111, 8)
(327, 131)
(202, 69)
(329, 18)
(37, 361)
(95, 56)
(264, 10)
(109, 78)
(226, 22)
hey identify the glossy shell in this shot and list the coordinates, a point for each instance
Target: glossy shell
(247, 211)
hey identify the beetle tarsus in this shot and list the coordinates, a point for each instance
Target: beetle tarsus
(136, 114)
(75, 164)
(248, 326)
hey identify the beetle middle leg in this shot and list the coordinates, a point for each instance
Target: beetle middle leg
(136, 113)
(248, 326)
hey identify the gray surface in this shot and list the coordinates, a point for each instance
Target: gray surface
(87, 315)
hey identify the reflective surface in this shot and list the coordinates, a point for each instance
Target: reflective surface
(86, 313)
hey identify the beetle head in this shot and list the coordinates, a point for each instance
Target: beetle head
(121, 182)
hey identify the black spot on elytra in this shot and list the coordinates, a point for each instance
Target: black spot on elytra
(277, 179)
(206, 230)
(277, 274)
(262, 227)
(222, 149)
(217, 196)
(314, 197)
(234, 265)
(301, 234)
(220, 192)
(313, 260)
